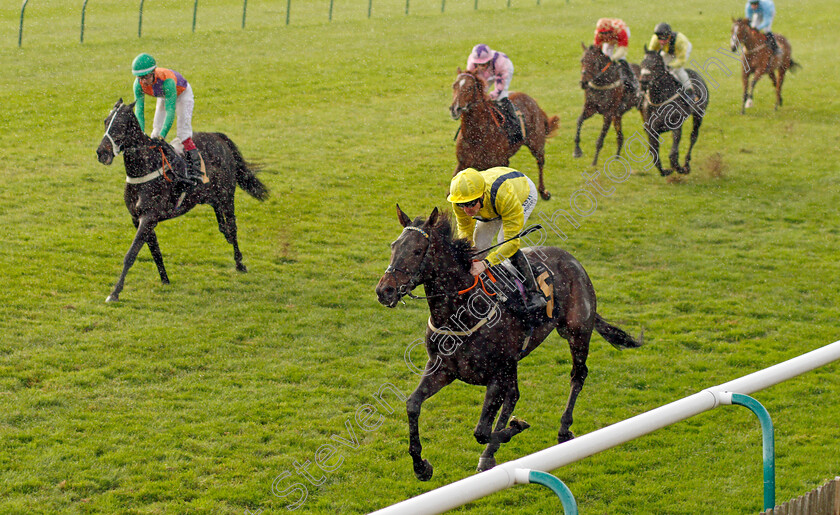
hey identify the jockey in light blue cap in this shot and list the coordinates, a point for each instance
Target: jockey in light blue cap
(760, 14)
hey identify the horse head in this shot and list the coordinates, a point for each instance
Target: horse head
(652, 68)
(593, 63)
(742, 34)
(409, 259)
(121, 130)
(467, 90)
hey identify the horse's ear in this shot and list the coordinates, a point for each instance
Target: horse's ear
(131, 105)
(403, 218)
(433, 218)
(119, 103)
(459, 72)
(647, 51)
(583, 46)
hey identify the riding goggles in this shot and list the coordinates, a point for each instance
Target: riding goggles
(471, 203)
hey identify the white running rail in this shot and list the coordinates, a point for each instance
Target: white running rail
(503, 476)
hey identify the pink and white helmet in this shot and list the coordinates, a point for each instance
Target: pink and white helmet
(481, 54)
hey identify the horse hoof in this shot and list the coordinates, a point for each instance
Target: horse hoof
(545, 195)
(519, 424)
(241, 268)
(426, 471)
(485, 464)
(666, 173)
(112, 298)
(565, 436)
(684, 170)
(748, 104)
(578, 153)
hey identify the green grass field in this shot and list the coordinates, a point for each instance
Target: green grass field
(204, 396)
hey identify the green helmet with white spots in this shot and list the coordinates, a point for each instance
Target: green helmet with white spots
(143, 64)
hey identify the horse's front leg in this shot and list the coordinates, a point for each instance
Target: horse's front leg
(433, 380)
(674, 156)
(588, 110)
(695, 131)
(600, 143)
(144, 228)
(653, 142)
(756, 77)
(619, 134)
(745, 79)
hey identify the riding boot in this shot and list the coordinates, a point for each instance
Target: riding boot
(513, 129)
(773, 44)
(535, 300)
(194, 173)
(628, 77)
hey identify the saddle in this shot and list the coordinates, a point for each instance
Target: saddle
(510, 291)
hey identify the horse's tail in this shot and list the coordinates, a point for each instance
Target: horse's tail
(246, 176)
(793, 65)
(551, 125)
(616, 337)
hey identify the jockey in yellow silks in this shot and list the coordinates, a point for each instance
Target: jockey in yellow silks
(675, 49)
(496, 201)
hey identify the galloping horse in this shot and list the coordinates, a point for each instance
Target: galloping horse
(759, 59)
(487, 352)
(150, 196)
(605, 95)
(666, 106)
(482, 142)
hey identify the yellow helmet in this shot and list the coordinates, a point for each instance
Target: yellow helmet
(466, 186)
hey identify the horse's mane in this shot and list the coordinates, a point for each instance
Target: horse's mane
(443, 227)
(480, 83)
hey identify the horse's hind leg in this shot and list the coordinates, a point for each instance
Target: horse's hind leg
(431, 383)
(538, 151)
(778, 84)
(225, 215)
(579, 345)
(154, 248)
(502, 434)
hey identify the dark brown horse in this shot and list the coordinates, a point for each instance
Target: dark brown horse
(473, 338)
(605, 95)
(482, 142)
(667, 106)
(758, 59)
(150, 196)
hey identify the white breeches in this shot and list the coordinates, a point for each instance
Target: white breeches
(485, 231)
(183, 115)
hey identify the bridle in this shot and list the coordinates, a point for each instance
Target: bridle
(414, 278)
(115, 149)
(605, 69)
(475, 86)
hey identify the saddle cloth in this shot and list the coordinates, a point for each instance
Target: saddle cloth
(511, 292)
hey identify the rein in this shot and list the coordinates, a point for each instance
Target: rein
(672, 97)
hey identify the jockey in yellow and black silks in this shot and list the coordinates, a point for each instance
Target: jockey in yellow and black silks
(496, 201)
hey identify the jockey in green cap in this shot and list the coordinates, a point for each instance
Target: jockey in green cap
(174, 97)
